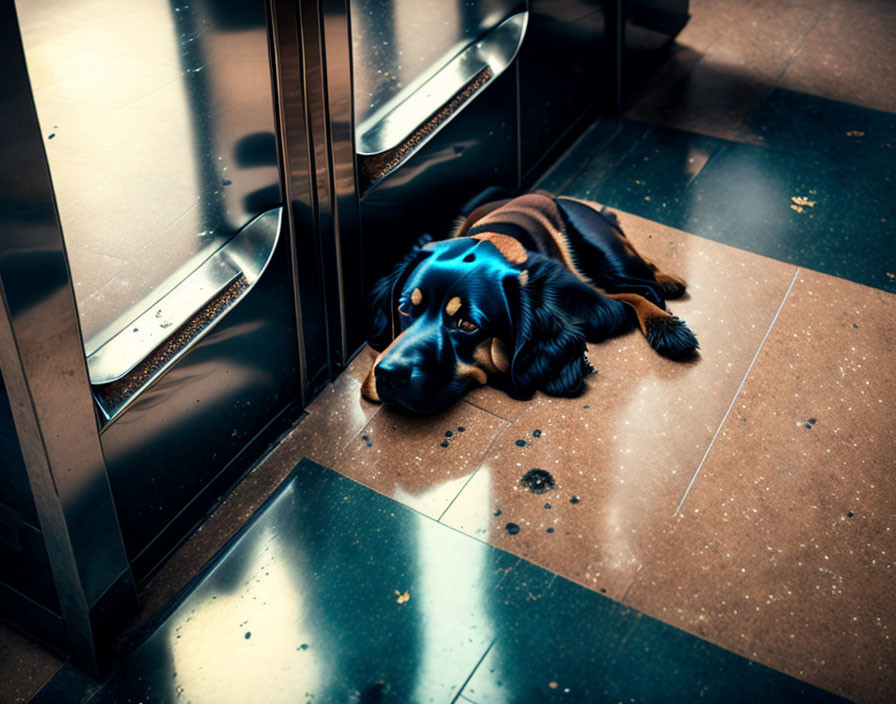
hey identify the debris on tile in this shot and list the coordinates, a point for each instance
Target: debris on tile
(248, 635)
(402, 598)
(547, 505)
(444, 443)
(537, 433)
(801, 202)
(855, 133)
(553, 685)
(891, 275)
(303, 646)
(367, 440)
(538, 481)
(497, 512)
(448, 433)
(512, 528)
(460, 428)
(810, 424)
(574, 500)
(550, 530)
(521, 443)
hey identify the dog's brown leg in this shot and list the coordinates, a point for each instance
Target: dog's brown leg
(666, 334)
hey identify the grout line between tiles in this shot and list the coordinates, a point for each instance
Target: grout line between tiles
(799, 47)
(491, 413)
(473, 671)
(485, 454)
(737, 393)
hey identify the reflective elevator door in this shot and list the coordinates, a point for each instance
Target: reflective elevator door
(159, 126)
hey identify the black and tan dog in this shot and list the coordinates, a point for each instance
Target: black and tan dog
(510, 300)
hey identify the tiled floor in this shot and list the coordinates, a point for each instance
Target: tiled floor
(284, 616)
(747, 497)
(744, 497)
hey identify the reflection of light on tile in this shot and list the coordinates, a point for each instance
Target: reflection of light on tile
(234, 645)
(635, 451)
(695, 161)
(447, 582)
(439, 494)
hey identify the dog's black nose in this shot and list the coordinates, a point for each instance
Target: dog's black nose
(392, 377)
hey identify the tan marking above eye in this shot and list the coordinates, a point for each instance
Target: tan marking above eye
(416, 296)
(512, 250)
(453, 305)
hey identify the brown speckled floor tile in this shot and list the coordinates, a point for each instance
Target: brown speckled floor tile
(849, 56)
(727, 60)
(629, 446)
(421, 461)
(785, 549)
(360, 365)
(334, 417)
(24, 666)
(500, 404)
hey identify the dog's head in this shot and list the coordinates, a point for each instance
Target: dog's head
(475, 310)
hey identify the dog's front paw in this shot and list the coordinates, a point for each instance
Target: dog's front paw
(670, 337)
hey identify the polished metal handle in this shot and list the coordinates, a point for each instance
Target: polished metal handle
(411, 118)
(168, 329)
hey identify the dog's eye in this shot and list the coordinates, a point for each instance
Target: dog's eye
(467, 325)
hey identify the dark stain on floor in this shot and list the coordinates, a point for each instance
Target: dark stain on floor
(538, 481)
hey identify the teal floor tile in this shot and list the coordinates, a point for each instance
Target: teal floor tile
(836, 159)
(652, 179)
(743, 197)
(567, 644)
(334, 593)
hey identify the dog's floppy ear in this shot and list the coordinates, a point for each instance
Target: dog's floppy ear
(556, 313)
(384, 297)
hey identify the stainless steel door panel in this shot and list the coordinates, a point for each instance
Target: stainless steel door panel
(158, 122)
(167, 449)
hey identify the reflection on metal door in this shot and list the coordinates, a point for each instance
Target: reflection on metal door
(416, 65)
(158, 124)
(159, 131)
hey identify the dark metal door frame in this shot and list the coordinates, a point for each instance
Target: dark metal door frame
(312, 50)
(44, 369)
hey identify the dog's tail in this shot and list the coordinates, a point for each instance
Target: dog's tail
(668, 335)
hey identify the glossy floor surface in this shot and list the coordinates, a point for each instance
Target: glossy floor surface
(333, 593)
(745, 499)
